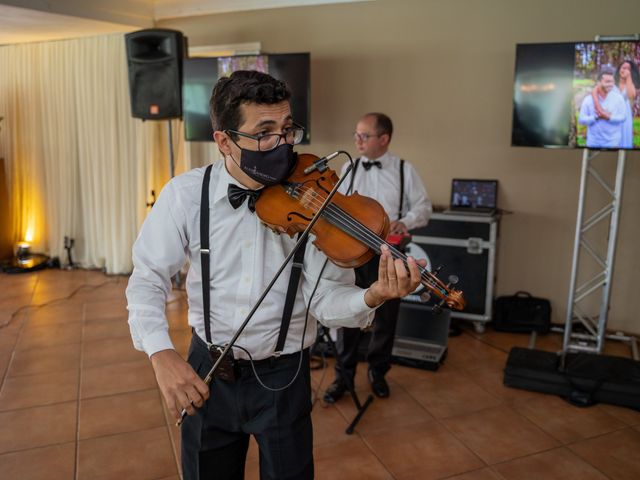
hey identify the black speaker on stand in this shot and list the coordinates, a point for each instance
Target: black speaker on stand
(154, 59)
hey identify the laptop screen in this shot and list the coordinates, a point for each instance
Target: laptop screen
(474, 194)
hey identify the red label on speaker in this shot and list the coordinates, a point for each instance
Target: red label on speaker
(154, 109)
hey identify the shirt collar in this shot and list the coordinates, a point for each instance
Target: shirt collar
(384, 160)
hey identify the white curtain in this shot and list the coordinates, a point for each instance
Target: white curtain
(79, 164)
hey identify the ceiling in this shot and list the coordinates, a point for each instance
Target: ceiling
(23, 21)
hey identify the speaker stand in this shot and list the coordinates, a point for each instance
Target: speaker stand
(177, 278)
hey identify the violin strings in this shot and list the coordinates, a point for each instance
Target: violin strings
(366, 235)
(351, 226)
(373, 241)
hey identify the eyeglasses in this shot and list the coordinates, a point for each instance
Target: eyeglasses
(363, 137)
(269, 141)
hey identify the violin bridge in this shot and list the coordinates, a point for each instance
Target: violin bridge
(308, 198)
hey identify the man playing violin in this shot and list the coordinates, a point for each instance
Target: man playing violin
(267, 393)
(398, 187)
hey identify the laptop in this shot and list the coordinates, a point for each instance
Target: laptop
(473, 197)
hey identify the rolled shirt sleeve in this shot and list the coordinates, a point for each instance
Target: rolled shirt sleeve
(158, 254)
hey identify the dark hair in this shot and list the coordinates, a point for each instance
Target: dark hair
(383, 123)
(243, 86)
(605, 70)
(635, 75)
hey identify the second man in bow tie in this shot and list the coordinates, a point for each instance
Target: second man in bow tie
(397, 186)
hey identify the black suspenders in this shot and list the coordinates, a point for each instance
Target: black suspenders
(205, 264)
(294, 279)
(205, 257)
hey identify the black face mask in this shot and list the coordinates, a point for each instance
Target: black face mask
(268, 168)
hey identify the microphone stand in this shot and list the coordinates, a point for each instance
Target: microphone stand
(324, 335)
(303, 236)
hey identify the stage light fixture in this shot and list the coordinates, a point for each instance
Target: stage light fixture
(24, 261)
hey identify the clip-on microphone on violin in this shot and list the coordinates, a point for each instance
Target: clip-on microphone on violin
(301, 239)
(321, 163)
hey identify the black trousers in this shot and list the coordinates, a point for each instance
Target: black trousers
(382, 336)
(216, 439)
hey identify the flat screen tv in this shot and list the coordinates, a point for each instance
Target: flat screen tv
(202, 73)
(577, 95)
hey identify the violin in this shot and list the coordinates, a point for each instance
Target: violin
(350, 230)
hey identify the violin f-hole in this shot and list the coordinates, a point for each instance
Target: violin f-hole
(290, 216)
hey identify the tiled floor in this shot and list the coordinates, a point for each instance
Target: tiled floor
(77, 401)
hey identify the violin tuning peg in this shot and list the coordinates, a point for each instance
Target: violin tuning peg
(425, 297)
(437, 270)
(453, 279)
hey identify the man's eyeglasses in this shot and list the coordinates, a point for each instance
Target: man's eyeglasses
(363, 137)
(269, 141)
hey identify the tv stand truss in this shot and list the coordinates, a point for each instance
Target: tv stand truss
(591, 332)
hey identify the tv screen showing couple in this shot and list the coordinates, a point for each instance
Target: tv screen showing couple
(577, 95)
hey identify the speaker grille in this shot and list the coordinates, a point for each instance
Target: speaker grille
(154, 58)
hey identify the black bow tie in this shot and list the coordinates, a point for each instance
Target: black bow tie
(367, 165)
(237, 195)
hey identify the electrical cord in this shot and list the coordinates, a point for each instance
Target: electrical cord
(304, 331)
(71, 295)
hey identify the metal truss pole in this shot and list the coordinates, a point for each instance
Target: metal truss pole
(594, 326)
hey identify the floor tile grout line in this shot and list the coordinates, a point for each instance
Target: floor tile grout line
(168, 426)
(115, 434)
(562, 442)
(13, 352)
(596, 468)
(574, 442)
(38, 447)
(81, 399)
(562, 445)
(76, 471)
(362, 439)
(384, 465)
(472, 471)
(546, 450)
(366, 443)
(50, 372)
(440, 422)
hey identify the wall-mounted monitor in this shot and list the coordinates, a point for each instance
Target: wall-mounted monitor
(577, 95)
(202, 73)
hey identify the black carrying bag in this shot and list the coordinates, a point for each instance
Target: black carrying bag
(586, 378)
(522, 313)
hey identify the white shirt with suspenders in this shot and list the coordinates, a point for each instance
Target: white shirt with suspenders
(244, 255)
(396, 185)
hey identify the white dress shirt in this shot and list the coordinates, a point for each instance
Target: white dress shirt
(383, 185)
(244, 257)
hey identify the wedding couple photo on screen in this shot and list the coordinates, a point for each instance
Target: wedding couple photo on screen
(607, 95)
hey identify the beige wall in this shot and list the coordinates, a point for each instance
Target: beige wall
(443, 70)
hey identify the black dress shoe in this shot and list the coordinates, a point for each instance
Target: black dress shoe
(334, 392)
(379, 385)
